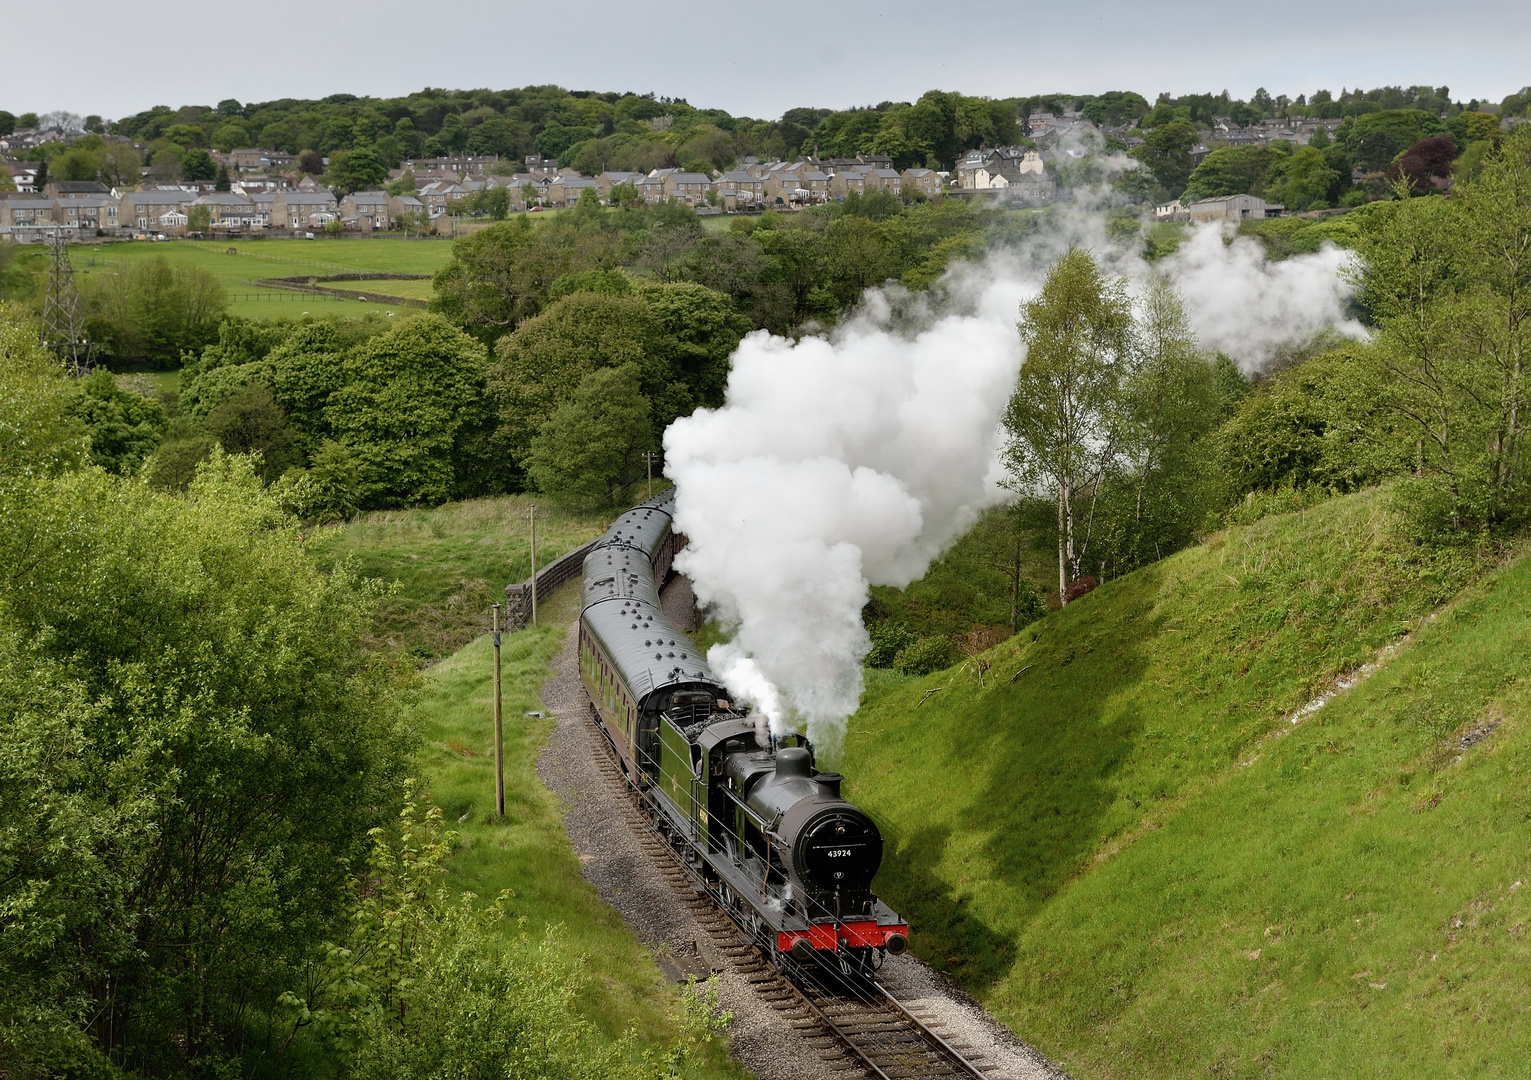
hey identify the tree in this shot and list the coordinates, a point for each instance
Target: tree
(1304, 181)
(221, 181)
(1170, 404)
(551, 354)
(198, 165)
(589, 449)
(230, 137)
(311, 162)
(355, 170)
(251, 422)
(7, 122)
(1064, 419)
(1231, 170)
(153, 311)
(500, 275)
(404, 396)
(198, 219)
(1428, 163)
(119, 164)
(1449, 284)
(1166, 150)
(183, 786)
(453, 133)
(124, 427)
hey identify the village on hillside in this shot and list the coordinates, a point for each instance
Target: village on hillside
(268, 192)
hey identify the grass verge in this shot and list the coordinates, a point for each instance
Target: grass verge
(449, 564)
(1122, 845)
(529, 852)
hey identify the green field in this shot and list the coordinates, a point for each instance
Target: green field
(1119, 841)
(448, 564)
(251, 260)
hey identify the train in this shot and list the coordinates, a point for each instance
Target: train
(760, 828)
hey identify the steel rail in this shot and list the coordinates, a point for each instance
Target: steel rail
(939, 1058)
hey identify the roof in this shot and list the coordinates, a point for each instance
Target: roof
(80, 187)
(224, 198)
(690, 178)
(621, 604)
(159, 198)
(409, 200)
(306, 198)
(369, 196)
(739, 176)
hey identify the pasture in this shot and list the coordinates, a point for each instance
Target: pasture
(240, 263)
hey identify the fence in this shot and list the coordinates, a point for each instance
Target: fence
(518, 597)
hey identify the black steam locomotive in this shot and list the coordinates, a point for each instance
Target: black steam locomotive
(767, 835)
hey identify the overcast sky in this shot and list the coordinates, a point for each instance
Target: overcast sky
(96, 56)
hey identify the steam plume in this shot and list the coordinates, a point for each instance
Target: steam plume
(844, 461)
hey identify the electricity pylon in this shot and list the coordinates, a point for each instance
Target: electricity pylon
(63, 332)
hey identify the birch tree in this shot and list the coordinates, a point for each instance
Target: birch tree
(1064, 419)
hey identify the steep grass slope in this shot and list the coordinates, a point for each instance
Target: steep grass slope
(1122, 843)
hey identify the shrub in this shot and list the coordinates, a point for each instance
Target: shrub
(925, 655)
(888, 640)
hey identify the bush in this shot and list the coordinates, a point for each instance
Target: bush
(888, 640)
(925, 655)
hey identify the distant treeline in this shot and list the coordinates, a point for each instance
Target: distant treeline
(591, 130)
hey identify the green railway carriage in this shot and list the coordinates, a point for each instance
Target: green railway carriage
(768, 836)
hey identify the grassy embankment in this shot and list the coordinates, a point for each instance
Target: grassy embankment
(451, 563)
(447, 562)
(255, 259)
(1122, 844)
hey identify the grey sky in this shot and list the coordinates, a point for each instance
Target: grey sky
(95, 56)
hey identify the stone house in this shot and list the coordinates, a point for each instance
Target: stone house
(228, 211)
(689, 187)
(300, 210)
(144, 209)
(369, 205)
(926, 180)
(87, 212)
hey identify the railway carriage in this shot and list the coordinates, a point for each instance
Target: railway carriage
(763, 831)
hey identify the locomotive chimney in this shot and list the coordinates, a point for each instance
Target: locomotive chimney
(830, 783)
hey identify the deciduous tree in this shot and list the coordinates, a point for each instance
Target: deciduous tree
(1065, 419)
(588, 450)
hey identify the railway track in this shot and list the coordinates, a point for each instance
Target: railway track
(858, 1027)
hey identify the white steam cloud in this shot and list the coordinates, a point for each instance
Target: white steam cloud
(851, 460)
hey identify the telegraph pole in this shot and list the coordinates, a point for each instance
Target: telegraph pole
(648, 459)
(499, 737)
(534, 563)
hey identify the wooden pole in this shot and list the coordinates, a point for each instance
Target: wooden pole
(499, 735)
(534, 564)
(648, 459)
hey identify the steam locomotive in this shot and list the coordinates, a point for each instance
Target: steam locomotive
(766, 834)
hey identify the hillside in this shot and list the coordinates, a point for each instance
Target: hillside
(1124, 846)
